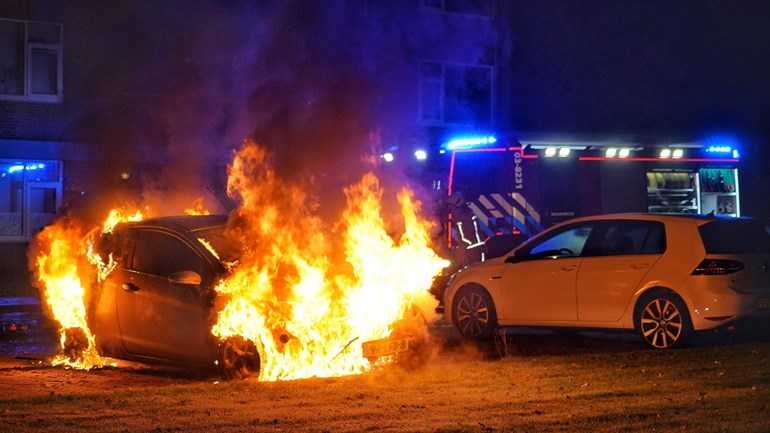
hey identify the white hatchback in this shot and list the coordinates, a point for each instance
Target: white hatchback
(665, 276)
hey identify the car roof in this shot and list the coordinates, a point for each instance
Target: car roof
(699, 219)
(190, 223)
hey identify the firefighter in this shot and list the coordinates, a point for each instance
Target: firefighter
(466, 232)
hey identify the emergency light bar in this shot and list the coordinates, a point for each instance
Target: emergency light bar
(723, 150)
(470, 142)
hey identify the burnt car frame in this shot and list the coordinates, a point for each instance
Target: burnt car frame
(156, 306)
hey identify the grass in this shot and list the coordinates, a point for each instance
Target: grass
(702, 389)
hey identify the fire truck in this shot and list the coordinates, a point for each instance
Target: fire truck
(514, 188)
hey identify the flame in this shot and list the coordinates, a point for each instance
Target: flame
(66, 265)
(119, 215)
(307, 309)
(60, 266)
(197, 208)
(306, 291)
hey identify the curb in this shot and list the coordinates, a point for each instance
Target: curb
(20, 305)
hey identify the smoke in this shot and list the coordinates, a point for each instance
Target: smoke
(174, 88)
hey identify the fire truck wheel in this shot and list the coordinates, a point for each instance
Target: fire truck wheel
(474, 313)
(238, 358)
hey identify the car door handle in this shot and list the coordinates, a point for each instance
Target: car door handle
(130, 287)
(568, 268)
(639, 265)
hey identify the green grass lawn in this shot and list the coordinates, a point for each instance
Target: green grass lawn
(703, 389)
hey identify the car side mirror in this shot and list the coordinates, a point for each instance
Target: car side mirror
(185, 277)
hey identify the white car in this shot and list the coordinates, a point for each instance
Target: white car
(665, 276)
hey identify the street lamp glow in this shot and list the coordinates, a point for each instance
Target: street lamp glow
(420, 154)
(388, 157)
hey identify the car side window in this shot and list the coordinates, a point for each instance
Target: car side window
(162, 254)
(116, 244)
(568, 242)
(626, 237)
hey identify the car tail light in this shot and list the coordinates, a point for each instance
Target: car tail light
(717, 267)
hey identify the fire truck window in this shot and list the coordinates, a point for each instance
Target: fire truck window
(633, 237)
(162, 254)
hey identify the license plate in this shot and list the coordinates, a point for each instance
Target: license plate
(384, 347)
(764, 303)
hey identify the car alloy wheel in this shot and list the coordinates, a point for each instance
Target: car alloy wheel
(475, 314)
(238, 358)
(663, 321)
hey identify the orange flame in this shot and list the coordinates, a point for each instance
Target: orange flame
(119, 215)
(307, 293)
(197, 208)
(66, 266)
(59, 268)
(307, 312)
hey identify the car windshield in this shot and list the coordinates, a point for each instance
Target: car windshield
(735, 236)
(226, 249)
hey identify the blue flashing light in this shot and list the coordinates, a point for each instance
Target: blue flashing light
(19, 167)
(470, 142)
(719, 149)
(722, 151)
(722, 145)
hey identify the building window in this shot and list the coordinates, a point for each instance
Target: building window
(468, 7)
(30, 61)
(455, 94)
(30, 197)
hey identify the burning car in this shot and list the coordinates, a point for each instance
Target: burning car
(157, 305)
(269, 288)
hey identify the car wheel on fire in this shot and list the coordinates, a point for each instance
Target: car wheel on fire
(238, 358)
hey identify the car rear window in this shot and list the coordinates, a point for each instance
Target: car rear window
(735, 236)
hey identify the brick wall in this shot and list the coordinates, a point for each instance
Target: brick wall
(14, 276)
(31, 121)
